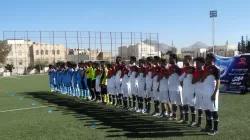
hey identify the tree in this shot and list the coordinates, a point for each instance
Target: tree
(4, 51)
(243, 44)
(31, 66)
(248, 47)
(40, 64)
(10, 68)
(239, 47)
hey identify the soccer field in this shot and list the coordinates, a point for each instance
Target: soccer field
(29, 112)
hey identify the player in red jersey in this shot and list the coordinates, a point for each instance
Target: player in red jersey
(198, 88)
(111, 83)
(141, 84)
(133, 82)
(149, 82)
(163, 89)
(125, 87)
(188, 96)
(118, 80)
(211, 82)
(155, 84)
(175, 89)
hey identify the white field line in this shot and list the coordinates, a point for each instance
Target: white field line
(9, 77)
(3, 111)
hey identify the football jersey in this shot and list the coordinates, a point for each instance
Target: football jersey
(173, 80)
(155, 71)
(163, 79)
(118, 75)
(149, 80)
(188, 87)
(79, 75)
(198, 86)
(111, 78)
(132, 74)
(210, 80)
(141, 78)
(74, 77)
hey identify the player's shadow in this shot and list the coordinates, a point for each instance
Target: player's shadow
(133, 125)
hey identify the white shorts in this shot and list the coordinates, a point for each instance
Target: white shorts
(142, 92)
(149, 93)
(117, 88)
(164, 97)
(189, 99)
(198, 100)
(134, 89)
(156, 95)
(125, 90)
(208, 104)
(176, 97)
(111, 90)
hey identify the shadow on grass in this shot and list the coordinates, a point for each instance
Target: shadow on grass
(130, 125)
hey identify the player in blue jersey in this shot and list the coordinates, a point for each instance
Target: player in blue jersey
(74, 80)
(79, 80)
(64, 73)
(51, 81)
(59, 79)
(68, 78)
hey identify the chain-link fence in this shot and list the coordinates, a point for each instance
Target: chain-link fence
(45, 47)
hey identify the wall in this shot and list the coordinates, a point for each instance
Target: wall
(74, 58)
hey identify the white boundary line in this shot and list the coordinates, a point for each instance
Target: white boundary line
(3, 111)
(11, 77)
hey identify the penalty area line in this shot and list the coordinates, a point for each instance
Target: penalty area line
(3, 111)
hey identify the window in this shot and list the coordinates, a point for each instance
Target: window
(46, 52)
(53, 51)
(58, 52)
(37, 52)
(42, 52)
(19, 53)
(20, 62)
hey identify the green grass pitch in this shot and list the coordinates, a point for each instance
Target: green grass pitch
(71, 118)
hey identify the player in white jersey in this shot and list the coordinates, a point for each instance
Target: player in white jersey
(163, 89)
(155, 85)
(125, 87)
(149, 82)
(141, 84)
(188, 94)
(118, 80)
(198, 88)
(133, 82)
(175, 89)
(211, 82)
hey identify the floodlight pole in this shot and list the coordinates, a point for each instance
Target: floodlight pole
(213, 15)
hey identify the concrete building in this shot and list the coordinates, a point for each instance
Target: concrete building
(19, 55)
(138, 50)
(23, 53)
(89, 54)
(78, 58)
(222, 50)
(47, 52)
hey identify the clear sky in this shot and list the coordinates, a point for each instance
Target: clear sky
(183, 21)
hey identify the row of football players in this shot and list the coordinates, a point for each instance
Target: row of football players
(153, 81)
